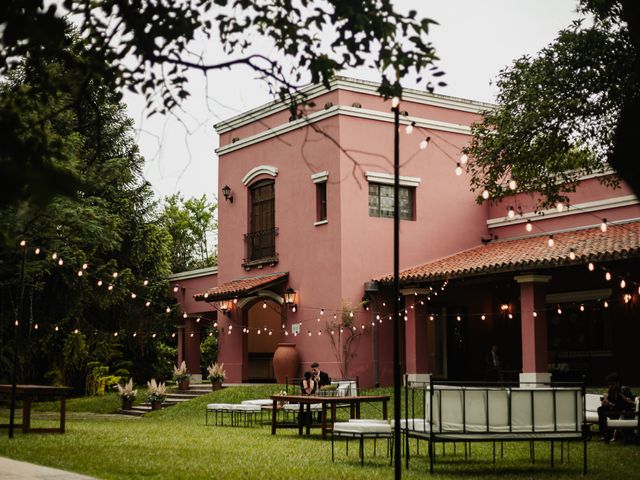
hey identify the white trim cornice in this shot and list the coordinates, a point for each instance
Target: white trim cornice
(578, 208)
(359, 86)
(341, 110)
(200, 272)
(387, 179)
(320, 177)
(259, 170)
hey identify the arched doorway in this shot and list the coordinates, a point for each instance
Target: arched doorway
(263, 316)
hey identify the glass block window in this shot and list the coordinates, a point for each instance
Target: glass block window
(381, 201)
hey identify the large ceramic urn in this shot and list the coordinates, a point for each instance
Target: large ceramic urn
(285, 362)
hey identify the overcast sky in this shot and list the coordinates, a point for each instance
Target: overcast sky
(474, 40)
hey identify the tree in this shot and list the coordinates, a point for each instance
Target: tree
(108, 225)
(145, 46)
(191, 223)
(571, 110)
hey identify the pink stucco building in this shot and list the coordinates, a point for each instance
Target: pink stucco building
(305, 209)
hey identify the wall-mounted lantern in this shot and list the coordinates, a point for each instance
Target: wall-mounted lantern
(290, 299)
(226, 193)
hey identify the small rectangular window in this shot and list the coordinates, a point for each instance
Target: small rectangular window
(381, 201)
(321, 201)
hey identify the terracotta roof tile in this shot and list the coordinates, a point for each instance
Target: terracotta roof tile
(591, 244)
(240, 286)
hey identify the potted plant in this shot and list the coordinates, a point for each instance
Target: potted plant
(182, 376)
(127, 394)
(156, 393)
(216, 375)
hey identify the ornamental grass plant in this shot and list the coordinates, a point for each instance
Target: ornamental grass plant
(174, 443)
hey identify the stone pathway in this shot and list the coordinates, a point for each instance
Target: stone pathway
(15, 470)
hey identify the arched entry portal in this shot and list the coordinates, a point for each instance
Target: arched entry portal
(263, 316)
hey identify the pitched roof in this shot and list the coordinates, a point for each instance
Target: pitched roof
(241, 287)
(589, 244)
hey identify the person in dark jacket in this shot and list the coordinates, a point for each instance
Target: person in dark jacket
(618, 402)
(321, 378)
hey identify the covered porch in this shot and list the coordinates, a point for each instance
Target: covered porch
(561, 310)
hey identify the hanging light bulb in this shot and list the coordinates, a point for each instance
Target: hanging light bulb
(235, 301)
(175, 288)
(198, 320)
(37, 251)
(458, 170)
(351, 314)
(60, 262)
(572, 254)
(623, 283)
(603, 225)
(528, 226)
(259, 332)
(424, 144)
(80, 273)
(135, 334)
(607, 276)
(56, 328)
(294, 309)
(559, 310)
(378, 316)
(173, 335)
(627, 297)
(115, 275)
(395, 101)
(582, 307)
(322, 311)
(145, 282)
(512, 184)
(99, 283)
(115, 334)
(458, 318)
(605, 304)
(133, 295)
(409, 128)
(431, 318)
(110, 288)
(550, 241)
(511, 316)
(153, 335)
(464, 159)
(559, 206)
(168, 310)
(35, 326)
(75, 331)
(511, 213)
(309, 333)
(485, 194)
(483, 317)
(535, 314)
(54, 255)
(147, 303)
(184, 315)
(264, 304)
(591, 267)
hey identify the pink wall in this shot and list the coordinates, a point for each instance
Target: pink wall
(188, 287)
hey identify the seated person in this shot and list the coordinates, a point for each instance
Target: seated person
(308, 384)
(321, 378)
(617, 402)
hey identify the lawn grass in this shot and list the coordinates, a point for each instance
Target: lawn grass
(174, 443)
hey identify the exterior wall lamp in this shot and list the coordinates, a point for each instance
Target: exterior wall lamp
(290, 299)
(226, 193)
(225, 306)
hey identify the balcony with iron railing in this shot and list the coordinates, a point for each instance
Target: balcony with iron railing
(260, 248)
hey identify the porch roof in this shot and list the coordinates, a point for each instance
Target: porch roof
(241, 287)
(589, 244)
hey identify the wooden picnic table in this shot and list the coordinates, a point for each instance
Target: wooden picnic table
(28, 393)
(326, 401)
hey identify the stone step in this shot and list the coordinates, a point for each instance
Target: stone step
(187, 395)
(133, 412)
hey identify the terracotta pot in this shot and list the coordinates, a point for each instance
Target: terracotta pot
(183, 384)
(285, 362)
(156, 405)
(216, 385)
(127, 403)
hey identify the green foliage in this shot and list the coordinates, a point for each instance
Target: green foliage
(166, 357)
(190, 223)
(208, 350)
(99, 379)
(109, 223)
(557, 113)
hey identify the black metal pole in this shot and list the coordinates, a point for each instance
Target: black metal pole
(14, 372)
(396, 292)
